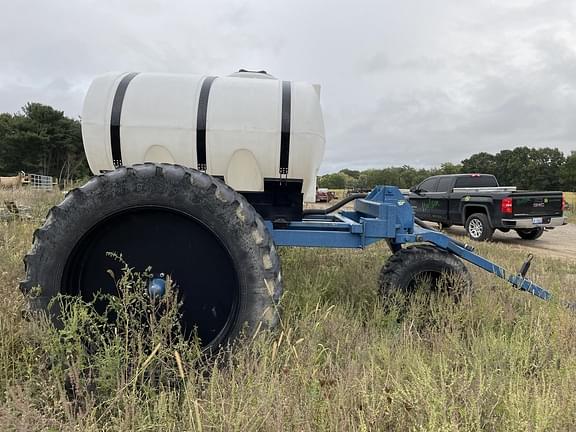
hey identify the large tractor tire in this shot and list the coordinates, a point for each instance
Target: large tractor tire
(530, 233)
(411, 267)
(178, 221)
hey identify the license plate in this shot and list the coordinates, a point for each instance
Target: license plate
(537, 220)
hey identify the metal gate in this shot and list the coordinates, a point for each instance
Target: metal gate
(40, 182)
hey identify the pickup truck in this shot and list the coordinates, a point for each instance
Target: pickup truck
(481, 205)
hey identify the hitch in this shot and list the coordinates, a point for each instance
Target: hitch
(526, 266)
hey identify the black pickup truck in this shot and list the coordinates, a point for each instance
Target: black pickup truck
(478, 203)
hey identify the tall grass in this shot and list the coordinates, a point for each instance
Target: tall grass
(497, 360)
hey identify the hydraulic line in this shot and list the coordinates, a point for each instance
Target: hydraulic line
(422, 224)
(345, 201)
(336, 206)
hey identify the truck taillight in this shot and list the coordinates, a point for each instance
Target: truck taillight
(506, 206)
(563, 201)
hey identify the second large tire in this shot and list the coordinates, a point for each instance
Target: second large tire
(176, 220)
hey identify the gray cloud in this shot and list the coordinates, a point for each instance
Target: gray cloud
(414, 82)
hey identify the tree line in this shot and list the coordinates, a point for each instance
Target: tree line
(526, 168)
(42, 140)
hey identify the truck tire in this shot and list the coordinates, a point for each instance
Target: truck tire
(445, 225)
(530, 233)
(180, 222)
(408, 267)
(478, 227)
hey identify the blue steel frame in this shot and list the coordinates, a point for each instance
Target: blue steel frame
(384, 215)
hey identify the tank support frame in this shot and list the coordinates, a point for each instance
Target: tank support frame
(386, 215)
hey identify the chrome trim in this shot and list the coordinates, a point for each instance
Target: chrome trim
(527, 223)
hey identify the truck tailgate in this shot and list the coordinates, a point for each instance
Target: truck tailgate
(537, 203)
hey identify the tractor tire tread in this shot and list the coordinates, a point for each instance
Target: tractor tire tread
(395, 273)
(247, 220)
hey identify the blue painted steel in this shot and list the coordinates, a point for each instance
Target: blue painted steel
(446, 243)
(156, 287)
(384, 215)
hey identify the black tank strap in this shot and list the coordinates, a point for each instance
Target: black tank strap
(201, 122)
(285, 128)
(116, 117)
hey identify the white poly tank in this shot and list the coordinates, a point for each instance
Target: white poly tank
(244, 127)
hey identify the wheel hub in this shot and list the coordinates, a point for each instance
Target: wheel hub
(202, 269)
(157, 286)
(475, 228)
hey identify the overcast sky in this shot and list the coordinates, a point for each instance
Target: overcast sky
(414, 82)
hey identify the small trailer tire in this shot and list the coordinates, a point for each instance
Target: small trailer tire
(408, 267)
(181, 222)
(530, 233)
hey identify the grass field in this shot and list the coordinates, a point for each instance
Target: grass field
(342, 360)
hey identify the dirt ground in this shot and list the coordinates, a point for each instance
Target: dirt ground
(559, 242)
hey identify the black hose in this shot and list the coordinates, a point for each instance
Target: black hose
(421, 223)
(336, 206)
(352, 197)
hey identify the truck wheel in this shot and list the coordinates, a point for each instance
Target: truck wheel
(444, 225)
(530, 233)
(176, 220)
(478, 227)
(423, 264)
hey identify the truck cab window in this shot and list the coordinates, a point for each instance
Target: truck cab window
(476, 181)
(429, 185)
(444, 185)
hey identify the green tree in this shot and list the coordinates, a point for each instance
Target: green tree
(332, 181)
(450, 168)
(547, 166)
(527, 168)
(484, 163)
(41, 140)
(513, 167)
(568, 173)
(351, 173)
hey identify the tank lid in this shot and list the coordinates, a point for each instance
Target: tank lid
(245, 73)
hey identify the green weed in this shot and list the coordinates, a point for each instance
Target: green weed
(342, 359)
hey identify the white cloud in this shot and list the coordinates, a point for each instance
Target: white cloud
(413, 82)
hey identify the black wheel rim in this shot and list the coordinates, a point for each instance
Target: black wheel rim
(170, 242)
(435, 280)
(425, 278)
